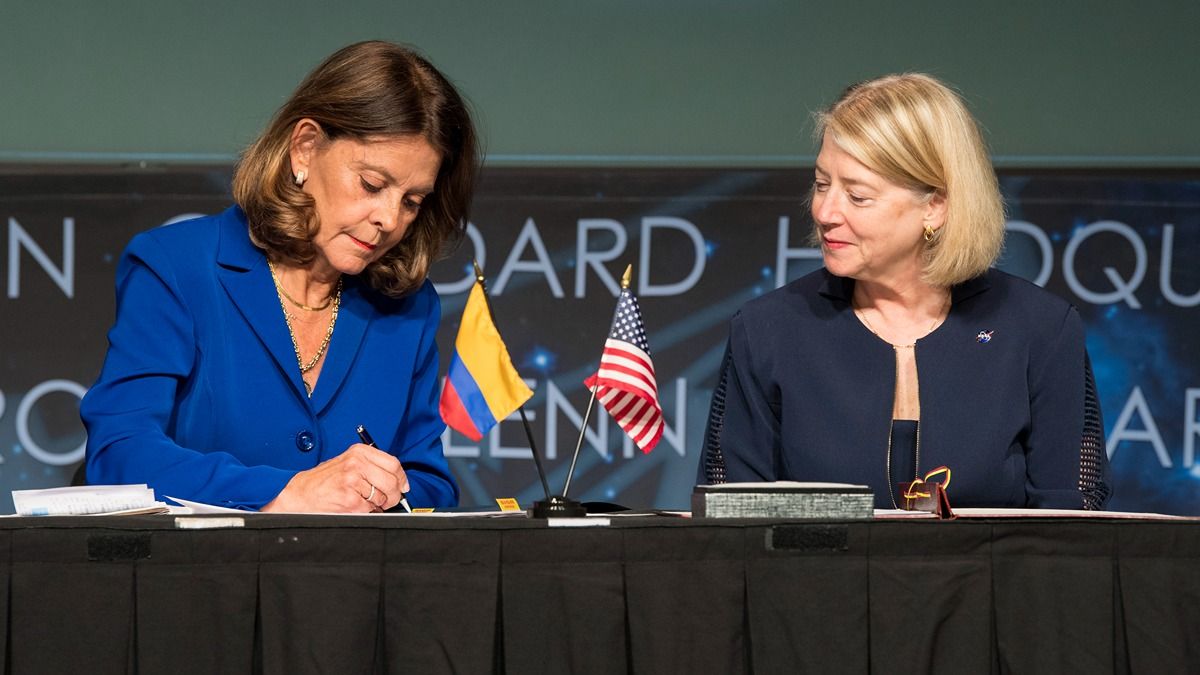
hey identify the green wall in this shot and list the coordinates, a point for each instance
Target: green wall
(666, 82)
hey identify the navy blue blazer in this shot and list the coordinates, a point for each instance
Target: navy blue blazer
(200, 396)
(809, 392)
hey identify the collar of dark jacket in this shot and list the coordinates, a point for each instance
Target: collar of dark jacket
(842, 288)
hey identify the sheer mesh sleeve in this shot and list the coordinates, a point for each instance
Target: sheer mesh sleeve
(1093, 456)
(712, 464)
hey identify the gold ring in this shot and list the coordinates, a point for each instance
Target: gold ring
(368, 497)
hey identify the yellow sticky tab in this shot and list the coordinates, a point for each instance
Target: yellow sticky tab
(508, 504)
(423, 510)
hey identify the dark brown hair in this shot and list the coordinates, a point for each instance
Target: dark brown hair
(365, 91)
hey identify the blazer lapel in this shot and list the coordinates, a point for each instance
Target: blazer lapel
(244, 273)
(354, 315)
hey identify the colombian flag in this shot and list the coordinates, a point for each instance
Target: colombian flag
(482, 386)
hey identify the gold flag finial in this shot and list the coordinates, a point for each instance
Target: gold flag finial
(478, 272)
(626, 277)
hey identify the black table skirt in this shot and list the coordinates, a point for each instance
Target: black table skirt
(311, 594)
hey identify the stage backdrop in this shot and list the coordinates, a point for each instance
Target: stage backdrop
(553, 242)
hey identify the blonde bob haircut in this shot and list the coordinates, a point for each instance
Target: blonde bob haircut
(364, 92)
(917, 133)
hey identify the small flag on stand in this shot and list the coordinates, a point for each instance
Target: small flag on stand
(482, 386)
(625, 383)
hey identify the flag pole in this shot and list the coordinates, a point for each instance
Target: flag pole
(625, 279)
(537, 456)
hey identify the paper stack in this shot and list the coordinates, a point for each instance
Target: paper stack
(783, 499)
(87, 500)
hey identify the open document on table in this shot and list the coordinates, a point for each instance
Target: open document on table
(890, 514)
(200, 508)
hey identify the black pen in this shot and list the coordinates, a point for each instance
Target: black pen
(365, 437)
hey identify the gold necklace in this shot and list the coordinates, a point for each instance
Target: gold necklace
(936, 322)
(284, 293)
(891, 433)
(287, 318)
(895, 348)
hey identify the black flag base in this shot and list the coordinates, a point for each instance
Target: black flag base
(557, 507)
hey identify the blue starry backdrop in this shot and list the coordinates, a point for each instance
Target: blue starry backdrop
(1121, 246)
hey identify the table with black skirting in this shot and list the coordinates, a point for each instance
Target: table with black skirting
(383, 594)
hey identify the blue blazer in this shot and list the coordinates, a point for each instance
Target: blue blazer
(200, 396)
(809, 391)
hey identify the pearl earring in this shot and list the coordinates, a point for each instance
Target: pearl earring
(300, 177)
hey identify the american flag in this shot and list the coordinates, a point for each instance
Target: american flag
(625, 383)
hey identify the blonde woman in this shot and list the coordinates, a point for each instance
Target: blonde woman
(908, 351)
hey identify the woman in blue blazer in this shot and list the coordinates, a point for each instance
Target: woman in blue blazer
(249, 346)
(907, 352)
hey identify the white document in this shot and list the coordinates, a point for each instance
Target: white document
(199, 507)
(87, 500)
(1061, 513)
(891, 514)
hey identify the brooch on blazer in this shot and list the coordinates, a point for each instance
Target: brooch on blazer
(984, 336)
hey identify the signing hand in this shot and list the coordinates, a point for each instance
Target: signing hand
(360, 480)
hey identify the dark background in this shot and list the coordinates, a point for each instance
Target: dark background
(529, 222)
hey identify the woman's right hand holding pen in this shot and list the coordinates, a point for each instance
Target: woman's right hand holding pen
(360, 480)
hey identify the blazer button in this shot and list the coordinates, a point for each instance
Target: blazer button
(305, 441)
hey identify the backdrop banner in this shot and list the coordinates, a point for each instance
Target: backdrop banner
(553, 243)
